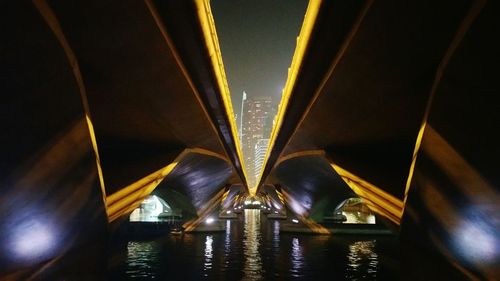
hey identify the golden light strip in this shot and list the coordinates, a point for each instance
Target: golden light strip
(218, 69)
(53, 23)
(465, 177)
(317, 152)
(224, 196)
(380, 201)
(130, 197)
(469, 18)
(300, 50)
(212, 44)
(280, 196)
(205, 211)
(309, 21)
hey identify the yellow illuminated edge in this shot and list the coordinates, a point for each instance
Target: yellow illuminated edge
(208, 38)
(50, 18)
(471, 15)
(317, 152)
(130, 197)
(206, 210)
(302, 43)
(376, 198)
(212, 44)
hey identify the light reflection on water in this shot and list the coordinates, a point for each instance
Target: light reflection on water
(276, 236)
(139, 261)
(297, 258)
(227, 242)
(253, 265)
(252, 248)
(208, 254)
(362, 260)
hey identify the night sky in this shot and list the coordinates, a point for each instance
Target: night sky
(257, 40)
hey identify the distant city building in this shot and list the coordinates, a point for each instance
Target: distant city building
(260, 154)
(256, 119)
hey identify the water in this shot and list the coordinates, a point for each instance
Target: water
(253, 249)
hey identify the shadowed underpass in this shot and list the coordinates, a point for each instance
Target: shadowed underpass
(121, 155)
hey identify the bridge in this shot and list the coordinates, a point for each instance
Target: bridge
(106, 103)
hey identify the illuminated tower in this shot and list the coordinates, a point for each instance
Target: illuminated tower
(256, 125)
(260, 154)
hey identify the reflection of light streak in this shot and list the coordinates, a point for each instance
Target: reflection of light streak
(253, 265)
(227, 244)
(140, 257)
(276, 238)
(297, 258)
(228, 229)
(208, 253)
(362, 260)
(276, 228)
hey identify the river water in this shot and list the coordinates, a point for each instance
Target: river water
(252, 248)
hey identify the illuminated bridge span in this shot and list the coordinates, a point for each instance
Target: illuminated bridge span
(389, 105)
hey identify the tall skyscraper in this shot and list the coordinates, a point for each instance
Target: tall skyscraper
(256, 125)
(260, 154)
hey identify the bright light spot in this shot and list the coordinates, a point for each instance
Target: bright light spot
(256, 202)
(150, 209)
(248, 202)
(228, 212)
(295, 220)
(209, 220)
(477, 242)
(32, 240)
(275, 212)
(297, 207)
(278, 207)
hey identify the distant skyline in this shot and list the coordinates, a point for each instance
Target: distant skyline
(257, 40)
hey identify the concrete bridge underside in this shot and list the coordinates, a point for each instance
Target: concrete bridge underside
(103, 104)
(397, 100)
(107, 102)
